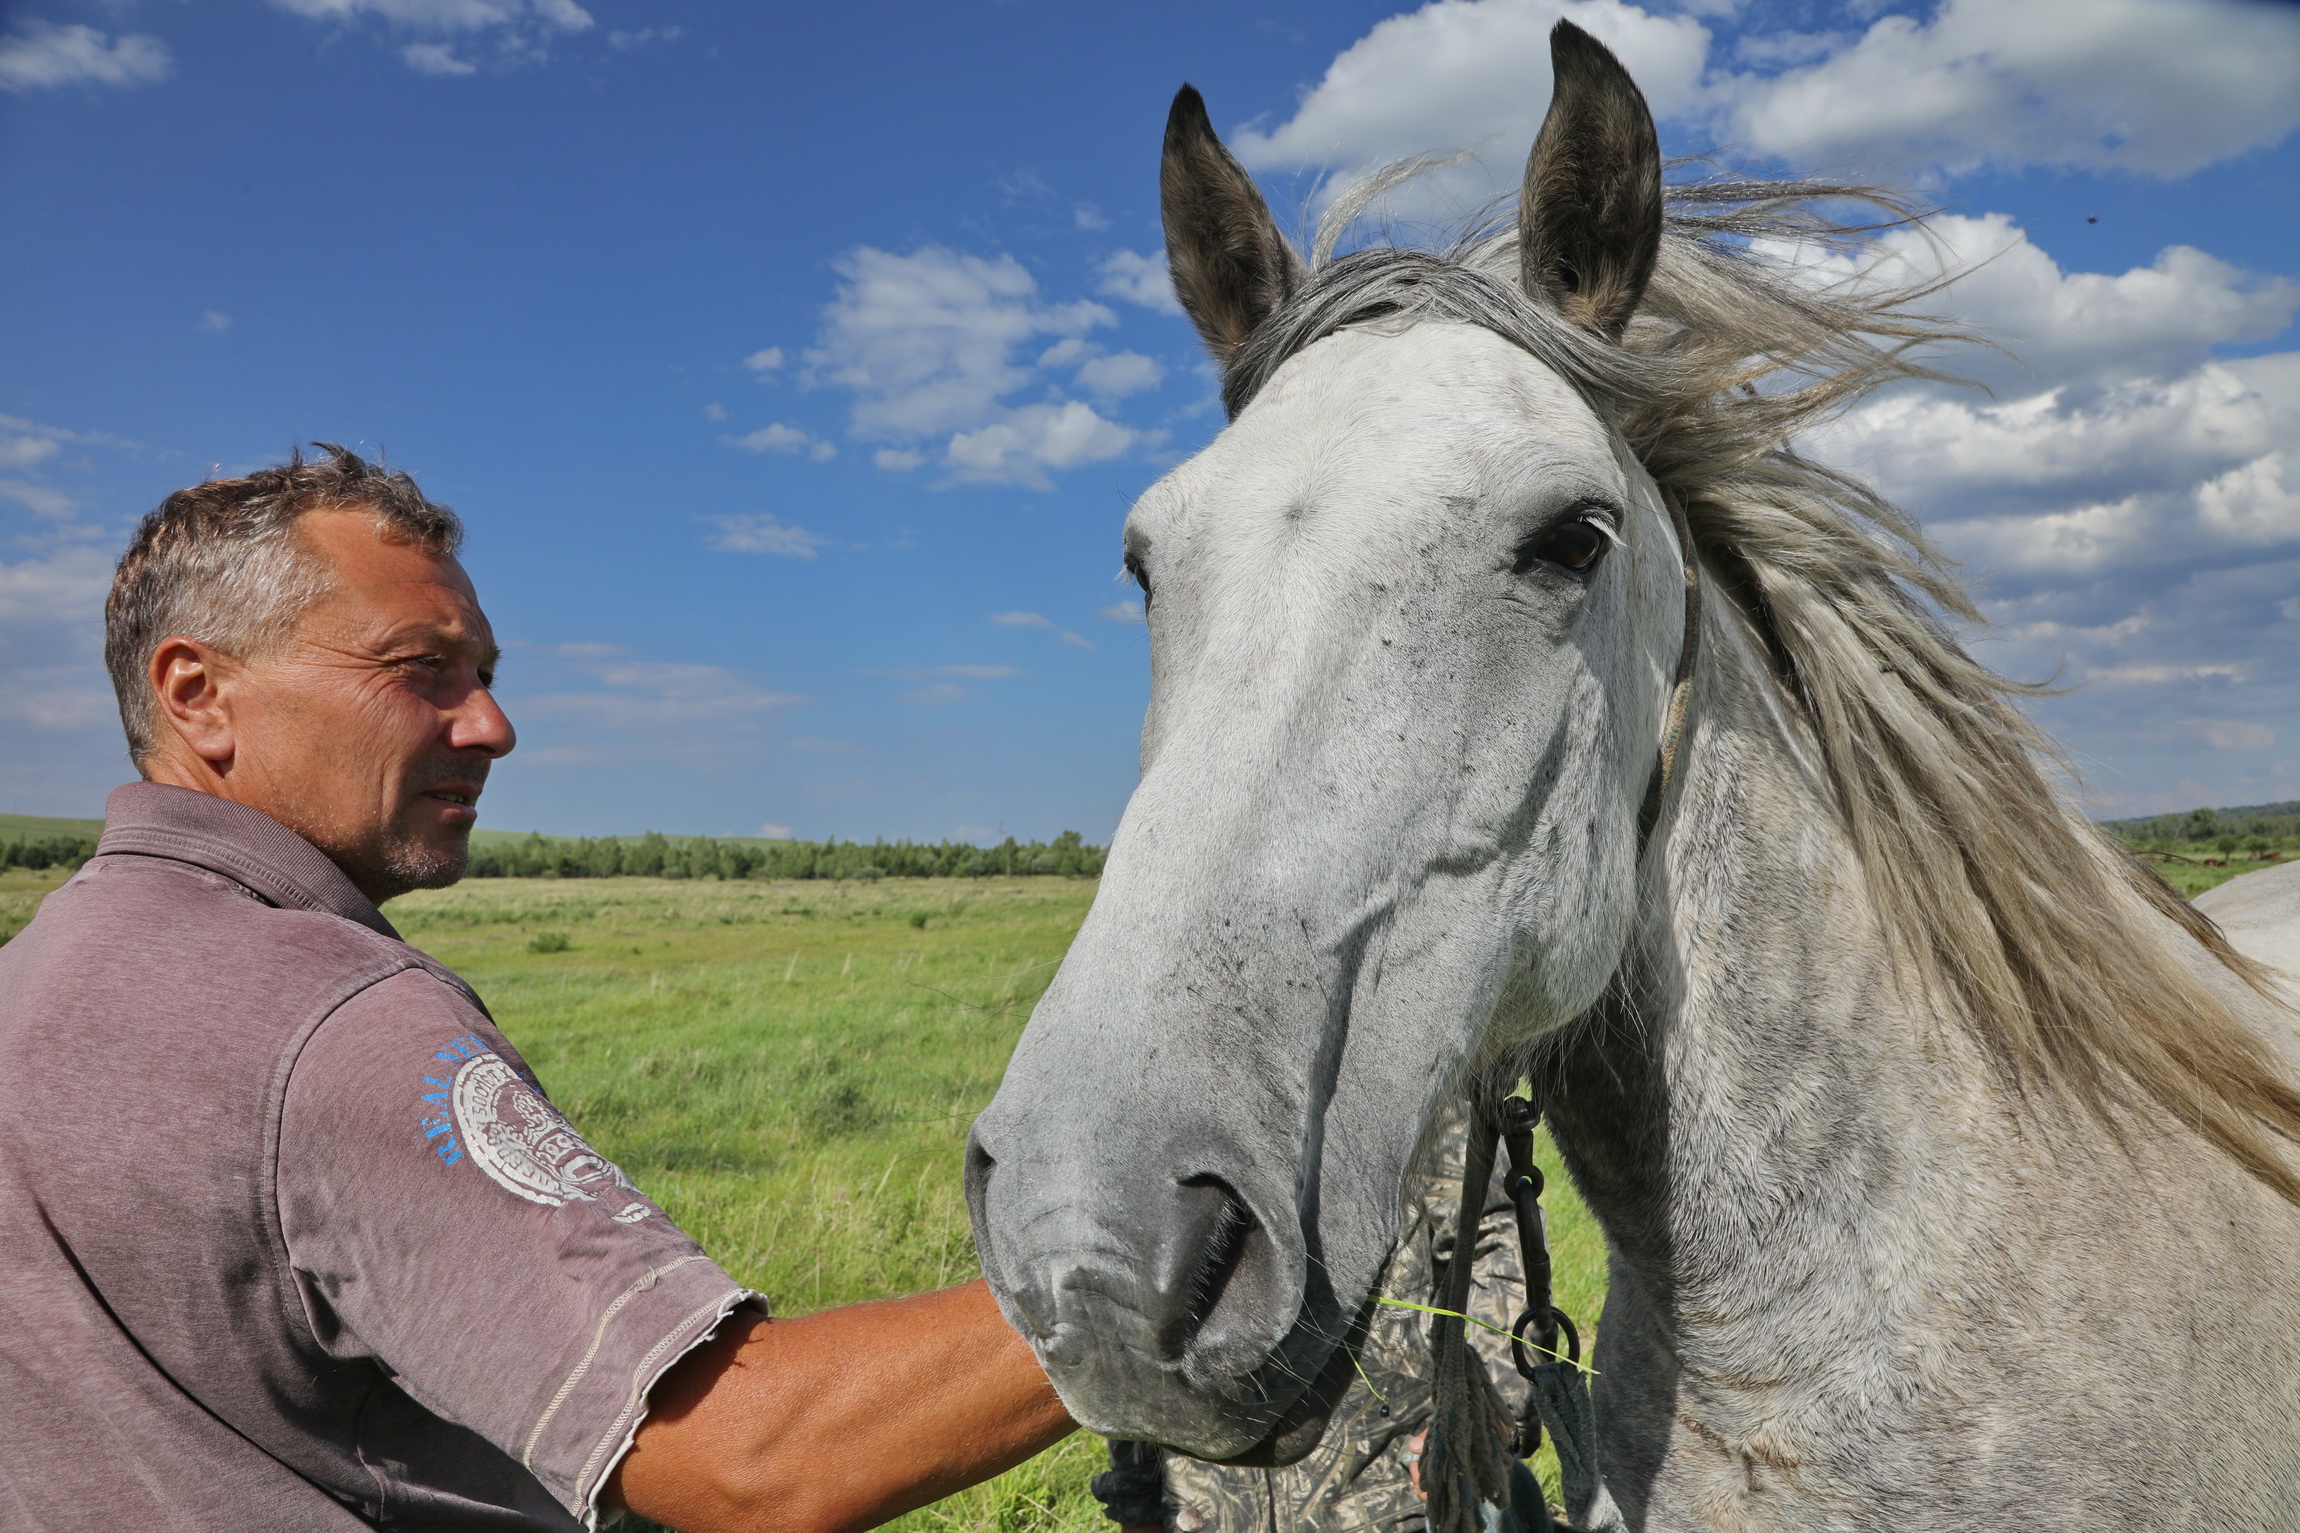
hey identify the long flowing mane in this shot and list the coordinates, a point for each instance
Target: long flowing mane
(2029, 924)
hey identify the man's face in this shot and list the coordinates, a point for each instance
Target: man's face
(370, 732)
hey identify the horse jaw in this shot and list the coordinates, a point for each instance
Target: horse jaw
(1385, 828)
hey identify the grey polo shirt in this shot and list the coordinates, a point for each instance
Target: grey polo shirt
(290, 1238)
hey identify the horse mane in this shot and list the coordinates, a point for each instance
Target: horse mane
(2035, 929)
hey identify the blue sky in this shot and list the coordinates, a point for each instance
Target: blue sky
(794, 368)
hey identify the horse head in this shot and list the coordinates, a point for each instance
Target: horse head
(1413, 617)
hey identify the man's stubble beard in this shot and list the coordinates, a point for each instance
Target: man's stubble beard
(410, 865)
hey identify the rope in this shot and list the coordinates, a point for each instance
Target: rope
(1466, 1460)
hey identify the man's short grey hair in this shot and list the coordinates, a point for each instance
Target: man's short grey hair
(222, 562)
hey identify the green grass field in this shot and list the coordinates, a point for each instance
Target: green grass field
(791, 1069)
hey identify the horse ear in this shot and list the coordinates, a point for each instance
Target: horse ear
(1231, 266)
(1589, 216)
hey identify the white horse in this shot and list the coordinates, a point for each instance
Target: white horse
(1945, 1158)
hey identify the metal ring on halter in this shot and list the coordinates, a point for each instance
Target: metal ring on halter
(1560, 1322)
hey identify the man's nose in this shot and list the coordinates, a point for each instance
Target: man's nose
(481, 725)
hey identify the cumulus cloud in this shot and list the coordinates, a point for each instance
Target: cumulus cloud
(509, 32)
(1140, 279)
(39, 499)
(2132, 85)
(2061, 327)
(1021, 447)
(39, 55)
(933, 344)
(2109, 85)
(766, 361)
(1458, 72)
(2129, 506)
(783, 439)
(1119, 374)
(763, 534)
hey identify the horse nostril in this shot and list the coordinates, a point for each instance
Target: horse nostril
(1216, 1284)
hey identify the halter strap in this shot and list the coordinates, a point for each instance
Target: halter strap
(1681, 693)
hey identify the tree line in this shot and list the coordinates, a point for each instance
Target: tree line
(2256, 829)
(658, 856)
(38, 852)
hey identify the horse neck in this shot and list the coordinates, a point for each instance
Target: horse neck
(1756, 1113)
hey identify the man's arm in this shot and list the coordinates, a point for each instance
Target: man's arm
(840, 1420)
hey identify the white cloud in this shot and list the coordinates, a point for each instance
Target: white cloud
(1121, 612)
(2066, 326)
(763, 534)
(2107, 85)
(714, 412)
(2130, 511)
(1458, 72)
(66, 588)
(1120, 374)
(212, 322)
(624, 42)
(771, 831)
(931, 345)
(783, 439)
(1140, 279)
(1032, 439)
(764, 362)
(1090, 218)
(2134, 85)
(24, 451)
(436, 59)
(515, 31)
(39, 55)
(978, 672)
(1076, 640)
(941, 694)
(38, 499)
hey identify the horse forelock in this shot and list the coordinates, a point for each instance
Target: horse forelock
(2004, 904)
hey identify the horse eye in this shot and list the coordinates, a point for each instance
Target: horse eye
(1140, 577)
(1576, 545)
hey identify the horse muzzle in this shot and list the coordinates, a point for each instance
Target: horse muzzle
(1168, 1303)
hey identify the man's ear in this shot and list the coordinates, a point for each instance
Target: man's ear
(1589, 215)
(1231, 266)
(190, 682)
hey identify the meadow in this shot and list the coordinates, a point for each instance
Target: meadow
(790, 1069)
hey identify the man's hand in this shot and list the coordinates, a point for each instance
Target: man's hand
(839, 1421)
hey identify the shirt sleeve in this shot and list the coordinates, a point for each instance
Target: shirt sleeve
(443, 1219)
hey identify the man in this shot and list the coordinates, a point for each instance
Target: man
(290, 1238)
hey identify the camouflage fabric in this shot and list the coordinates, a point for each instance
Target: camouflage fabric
(1355, 1480)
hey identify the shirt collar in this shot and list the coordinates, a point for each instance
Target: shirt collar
(151, 819)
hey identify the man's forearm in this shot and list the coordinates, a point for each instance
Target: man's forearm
(840, 1420)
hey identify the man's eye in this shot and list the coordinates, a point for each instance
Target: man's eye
(1576, 546)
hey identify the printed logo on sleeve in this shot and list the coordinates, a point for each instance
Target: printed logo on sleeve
(476, 1103)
